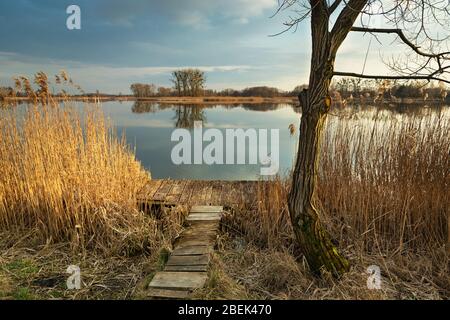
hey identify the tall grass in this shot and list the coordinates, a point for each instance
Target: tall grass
(385, 177)
(383, 184)
(384, 197)
(68, 177)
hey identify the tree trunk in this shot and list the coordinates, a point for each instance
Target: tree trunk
(314, 240)
(315, 102)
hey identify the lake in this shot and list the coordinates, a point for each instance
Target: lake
(148, 129)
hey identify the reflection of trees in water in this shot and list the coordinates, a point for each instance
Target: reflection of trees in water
(264, 106)
(186, 115)
(144, 107)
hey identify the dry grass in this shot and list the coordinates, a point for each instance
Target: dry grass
(384, 198)
(386, 178)
(69, 178)
(245, 271)
(29, 270)
(68, 195)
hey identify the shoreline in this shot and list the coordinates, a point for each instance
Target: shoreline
(174, 100)
(213, 100)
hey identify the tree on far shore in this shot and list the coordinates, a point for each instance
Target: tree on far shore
(188, 82)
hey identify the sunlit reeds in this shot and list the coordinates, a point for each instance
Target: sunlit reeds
(383, 183)
(67, 177)
(385, 176)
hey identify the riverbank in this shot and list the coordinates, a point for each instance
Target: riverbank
(173, 100)
(212, 100)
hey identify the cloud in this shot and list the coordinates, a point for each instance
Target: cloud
(148, 71)
(192, 13)
(93, 76)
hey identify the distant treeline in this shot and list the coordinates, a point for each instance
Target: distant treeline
(355, 88)
(191, 82)
(343, 88)
(141, 90)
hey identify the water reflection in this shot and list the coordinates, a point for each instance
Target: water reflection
(187, 115)
(145, 107)
(148, 127)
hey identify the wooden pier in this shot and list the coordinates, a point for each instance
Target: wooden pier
(197, 192)
(186, 269)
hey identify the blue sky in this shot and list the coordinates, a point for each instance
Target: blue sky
(143, 40)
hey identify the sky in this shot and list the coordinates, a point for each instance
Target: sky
(122, 42)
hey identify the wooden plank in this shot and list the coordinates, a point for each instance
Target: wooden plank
(178, 280)
(195, 233)
(204, 217)
(168, 294)
(163, 190)
(191, 250)
(207, 209)
(185, 197)
(204, 224)
(201, 268)
(197, 260)
(150, 189)
(206, 239)
(182, 243)
(201, 228)
(205, 214)
(177, 190)
(190, 218)
(200, 192)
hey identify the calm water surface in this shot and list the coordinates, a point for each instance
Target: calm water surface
(148, 129)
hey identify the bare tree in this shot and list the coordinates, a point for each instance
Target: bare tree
(176, 80)
(327, 38)
(188, 82)
(142, 90)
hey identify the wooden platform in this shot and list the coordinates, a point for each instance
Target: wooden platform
(187, 266)
(196, 192)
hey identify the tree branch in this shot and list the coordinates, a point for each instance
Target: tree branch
(383, 77)
(334, 6)
(345, 21)
(405, 40)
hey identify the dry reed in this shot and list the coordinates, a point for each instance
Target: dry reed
(69, 178)
(384, 197)
(383, 185)
(384, 177)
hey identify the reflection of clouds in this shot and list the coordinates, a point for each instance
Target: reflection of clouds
(150, 123)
